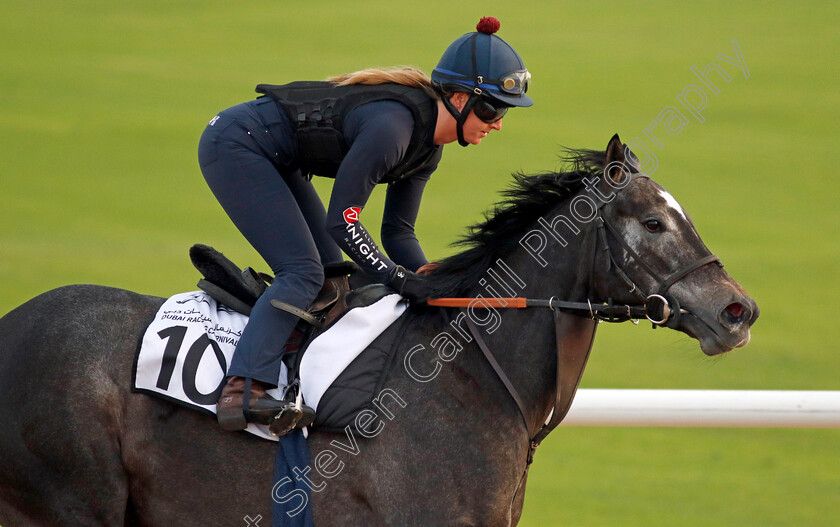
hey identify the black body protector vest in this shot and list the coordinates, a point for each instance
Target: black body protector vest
(318, 110)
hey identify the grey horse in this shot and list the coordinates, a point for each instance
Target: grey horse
(450, 445)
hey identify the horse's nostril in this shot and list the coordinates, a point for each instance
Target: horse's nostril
(735, 310)
(734, 314)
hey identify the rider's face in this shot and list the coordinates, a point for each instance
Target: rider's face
(474, 128)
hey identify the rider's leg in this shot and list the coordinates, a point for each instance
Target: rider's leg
(259, 201)
(315, 215)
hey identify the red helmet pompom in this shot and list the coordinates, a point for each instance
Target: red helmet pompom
(488, 25)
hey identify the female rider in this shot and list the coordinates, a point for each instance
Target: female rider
(365, 128)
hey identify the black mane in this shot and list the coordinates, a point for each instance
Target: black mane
(527, 198)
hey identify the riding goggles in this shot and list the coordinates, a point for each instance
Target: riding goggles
(515, 82)
(487, 112)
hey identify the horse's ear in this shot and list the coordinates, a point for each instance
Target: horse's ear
(631, 160)
(614, 161)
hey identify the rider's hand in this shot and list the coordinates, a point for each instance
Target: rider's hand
(412, 286)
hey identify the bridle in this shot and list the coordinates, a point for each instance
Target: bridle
(659, 308)
(575, 331)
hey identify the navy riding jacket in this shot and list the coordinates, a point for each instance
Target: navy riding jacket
(378, 135)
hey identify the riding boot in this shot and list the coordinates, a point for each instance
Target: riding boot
(234, 411)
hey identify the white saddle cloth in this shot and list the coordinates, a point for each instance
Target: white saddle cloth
(188, 347)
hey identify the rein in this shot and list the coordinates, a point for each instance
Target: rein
(601, 312)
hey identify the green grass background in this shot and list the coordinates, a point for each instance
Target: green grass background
(102, 104)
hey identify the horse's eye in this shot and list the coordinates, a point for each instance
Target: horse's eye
(653, 225)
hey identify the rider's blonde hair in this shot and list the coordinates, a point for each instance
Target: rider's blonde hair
(405, 75)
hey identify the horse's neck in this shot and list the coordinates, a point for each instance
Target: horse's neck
(461, 424)
(524, 343)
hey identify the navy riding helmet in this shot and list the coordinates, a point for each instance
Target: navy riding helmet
(485, 66)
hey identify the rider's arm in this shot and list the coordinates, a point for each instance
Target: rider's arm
(402, 204)
(379, 134)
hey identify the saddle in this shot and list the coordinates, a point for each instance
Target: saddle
(345, 286)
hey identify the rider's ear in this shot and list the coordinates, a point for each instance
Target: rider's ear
(459, 99)
(615, 166)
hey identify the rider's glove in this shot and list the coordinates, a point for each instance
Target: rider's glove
(412, 286)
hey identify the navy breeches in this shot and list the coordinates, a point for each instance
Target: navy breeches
(282, 217)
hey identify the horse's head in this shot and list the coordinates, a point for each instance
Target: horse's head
(654, 249)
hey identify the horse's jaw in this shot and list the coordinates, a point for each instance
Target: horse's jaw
(713, 337)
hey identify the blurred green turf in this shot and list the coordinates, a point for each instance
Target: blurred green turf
(103, 103)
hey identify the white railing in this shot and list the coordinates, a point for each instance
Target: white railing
(705, 408)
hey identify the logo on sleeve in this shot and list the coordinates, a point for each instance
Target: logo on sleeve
(351, 214)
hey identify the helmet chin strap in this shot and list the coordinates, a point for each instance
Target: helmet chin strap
(460, 116)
